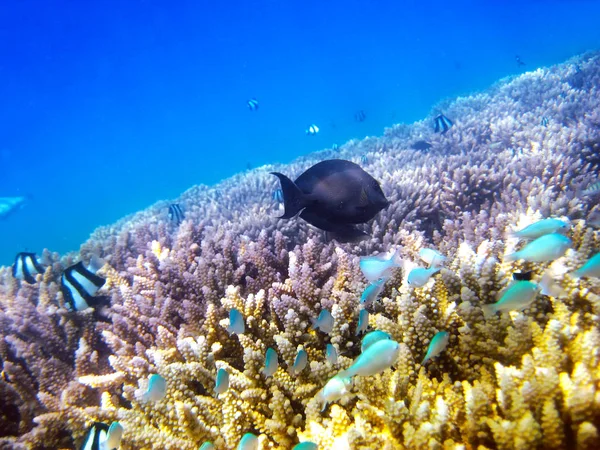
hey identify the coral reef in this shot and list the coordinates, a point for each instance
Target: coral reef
(528, 379)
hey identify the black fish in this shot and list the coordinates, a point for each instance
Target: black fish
(522, 276)
(26, 267)
(97, 433)
(442, 124)
(519, 61)
(176, 213)
(360, 116)
(421, 145)
(79, 285)
(253, 104)
(334, 196)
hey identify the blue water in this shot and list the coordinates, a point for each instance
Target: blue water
(109, 106)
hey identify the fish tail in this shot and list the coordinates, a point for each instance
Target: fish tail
(293, 198)
(488, 310)
(512, 257)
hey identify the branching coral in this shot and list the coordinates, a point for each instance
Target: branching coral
(522, 380)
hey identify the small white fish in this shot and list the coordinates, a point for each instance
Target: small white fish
(113, 437)
(438, 344)
(541, 228)
(271, 362)
(380, 266)
(157, 388)
(363, 321)
(418, 277)
(372, 337)
(544, 249)
(331, 354)
(432, 257)
(300, 361)
(236, 322)
(222, 382)
(248, 442)
(335, 389)
(324, 322)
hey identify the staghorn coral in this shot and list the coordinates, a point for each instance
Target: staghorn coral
(520, 380)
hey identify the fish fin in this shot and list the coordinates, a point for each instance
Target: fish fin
(488, 310)
(293, 198)
(550, 287)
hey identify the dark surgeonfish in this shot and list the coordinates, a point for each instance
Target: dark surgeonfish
(421, 145)
(176, 213)
(522, 276)
(360, 116)
(442, 124)
(26, 267)
(334, 196)
(253, 104)
(10, 204)
(79, 284)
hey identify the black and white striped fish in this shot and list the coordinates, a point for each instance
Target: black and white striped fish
(335, 147)
(26, 267)
(312, 130)
(545, 121)
(592, 189)
(253, 104)
(102, 437)
(442, 124)
(176, 213)
(79, 284)
(360, 116)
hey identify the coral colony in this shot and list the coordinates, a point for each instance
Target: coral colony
(231, 328)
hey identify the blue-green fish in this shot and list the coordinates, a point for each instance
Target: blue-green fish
(371, 292)
(438, 344)
(419, 276)
(517, 297)
(589, 269)
(335, 389)
(10, 204)
(363, 321)
(324, 322)
(306, 445)
(236, 322)
(375, 359)
(222, 382)
(432, 257)
(207, 446)
(271, 362)
(546, 248)
(157, 388)
(248, 442)
(541, 228)
(380, 266)
(372, 337)
(300, 361)
(331, 354)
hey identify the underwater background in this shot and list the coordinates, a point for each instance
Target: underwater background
(108, 107)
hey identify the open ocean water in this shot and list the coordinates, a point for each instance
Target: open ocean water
(108, 107)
